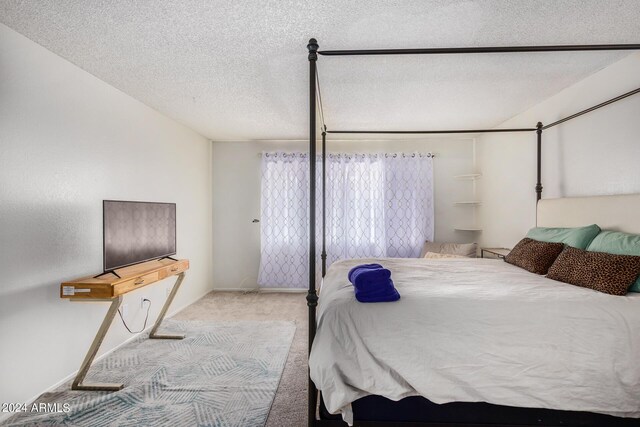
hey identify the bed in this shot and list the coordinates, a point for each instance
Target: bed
(478, 330)
(616, 212)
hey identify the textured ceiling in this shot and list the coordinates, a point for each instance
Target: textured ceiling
(238, 69)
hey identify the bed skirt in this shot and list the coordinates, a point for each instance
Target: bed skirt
(421, 410)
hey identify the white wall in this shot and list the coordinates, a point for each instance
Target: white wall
(594, 154)
(68, 141)
(236, 184)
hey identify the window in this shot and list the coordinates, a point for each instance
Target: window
(378, 205)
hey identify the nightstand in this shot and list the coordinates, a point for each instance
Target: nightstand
(496, 252)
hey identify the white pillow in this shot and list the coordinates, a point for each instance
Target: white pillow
(436, 255)
(464, 249)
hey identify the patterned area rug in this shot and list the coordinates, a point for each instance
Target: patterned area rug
(223, 374)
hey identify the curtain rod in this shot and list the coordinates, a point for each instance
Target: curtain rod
(433, 131)
(430, 153)
(487, 49)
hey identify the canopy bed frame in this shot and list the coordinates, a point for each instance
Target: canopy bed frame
(382, 409)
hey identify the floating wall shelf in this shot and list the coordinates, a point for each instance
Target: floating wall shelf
(468, 214)
(470, 176)
(468, 202)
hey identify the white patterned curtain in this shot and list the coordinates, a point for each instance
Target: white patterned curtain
(284, 220)
(378, 205)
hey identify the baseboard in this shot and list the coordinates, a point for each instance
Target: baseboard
(262, 290)
(287, 290)
(73, 374)
(4, 416)
(178, 310)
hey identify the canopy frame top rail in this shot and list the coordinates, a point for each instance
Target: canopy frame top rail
(483, 49)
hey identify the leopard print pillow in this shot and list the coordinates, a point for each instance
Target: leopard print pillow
(534, 256)
(608, 273)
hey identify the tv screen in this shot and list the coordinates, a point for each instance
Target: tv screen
(137, 231)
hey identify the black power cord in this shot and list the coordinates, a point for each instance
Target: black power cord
(145, 319)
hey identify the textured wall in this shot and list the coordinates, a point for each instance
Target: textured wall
(68, 141)
(595, 154)
(236, 184)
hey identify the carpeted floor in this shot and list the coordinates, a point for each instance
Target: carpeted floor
(224, 373)
(289, 407)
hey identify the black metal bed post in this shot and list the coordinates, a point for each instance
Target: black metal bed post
(539, 163)
(323, 255)
(312, 297)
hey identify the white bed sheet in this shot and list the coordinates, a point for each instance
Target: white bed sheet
(477, 330)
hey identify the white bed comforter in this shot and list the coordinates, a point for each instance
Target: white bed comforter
(477, 330)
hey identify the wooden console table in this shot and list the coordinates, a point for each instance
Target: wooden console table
(110, 288)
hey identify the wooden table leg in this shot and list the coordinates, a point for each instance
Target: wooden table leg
(93, 350)
(163, 312)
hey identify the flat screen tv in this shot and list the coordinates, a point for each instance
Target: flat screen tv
(135, 232)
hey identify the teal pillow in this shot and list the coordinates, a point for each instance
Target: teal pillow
(616, 242)
(578, 237)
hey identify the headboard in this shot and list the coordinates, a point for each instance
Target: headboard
(620, 212)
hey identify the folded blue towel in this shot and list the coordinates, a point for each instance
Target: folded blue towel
(372, 283)
(364, 279)
(387, 293)
(362, 267)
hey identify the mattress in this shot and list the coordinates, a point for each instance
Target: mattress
(477, 330)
